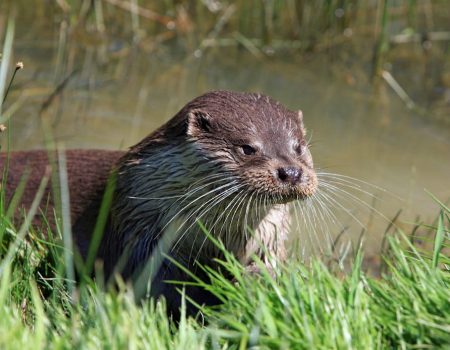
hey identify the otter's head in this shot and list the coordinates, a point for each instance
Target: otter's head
(254, 139)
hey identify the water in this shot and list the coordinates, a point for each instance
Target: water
(355, 131)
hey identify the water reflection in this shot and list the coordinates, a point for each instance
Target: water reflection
(355, 132)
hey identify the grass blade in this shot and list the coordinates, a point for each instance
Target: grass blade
(6, 55)
(66, 222)
(27, 222)
(438, 239)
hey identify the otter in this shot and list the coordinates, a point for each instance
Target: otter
(230, 160)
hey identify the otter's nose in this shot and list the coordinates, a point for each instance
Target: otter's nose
(289, 175)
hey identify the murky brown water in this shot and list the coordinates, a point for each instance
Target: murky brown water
(355, 131)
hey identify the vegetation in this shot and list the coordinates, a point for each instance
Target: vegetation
(303, 307)
(264, 28)
(306, 305)
(383, 41)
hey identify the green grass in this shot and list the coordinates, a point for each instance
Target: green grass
(304, 307)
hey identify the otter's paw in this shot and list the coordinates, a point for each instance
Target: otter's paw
(253, 269)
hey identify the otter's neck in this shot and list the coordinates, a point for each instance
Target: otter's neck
(167, 191)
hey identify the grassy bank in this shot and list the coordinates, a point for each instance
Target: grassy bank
(305, 307)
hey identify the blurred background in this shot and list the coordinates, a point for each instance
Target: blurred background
(372, 78)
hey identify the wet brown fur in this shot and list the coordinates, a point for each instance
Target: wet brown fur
(87, 170)
(162, 186)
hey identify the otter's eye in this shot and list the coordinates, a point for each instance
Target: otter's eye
(300, 148)
(248, 150)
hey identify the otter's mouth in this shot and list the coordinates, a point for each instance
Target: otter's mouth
(287, 198)
(299, 192)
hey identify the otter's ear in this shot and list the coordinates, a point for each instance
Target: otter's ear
(198, 122)
(300, 118)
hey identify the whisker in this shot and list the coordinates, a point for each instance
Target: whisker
(213, 204)
(342, 192)
(214, 200)
(194, 201)
(331, 199)
(349, 178)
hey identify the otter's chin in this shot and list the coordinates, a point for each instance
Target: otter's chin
(285, 198)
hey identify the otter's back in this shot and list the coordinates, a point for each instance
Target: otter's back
(87, 170)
